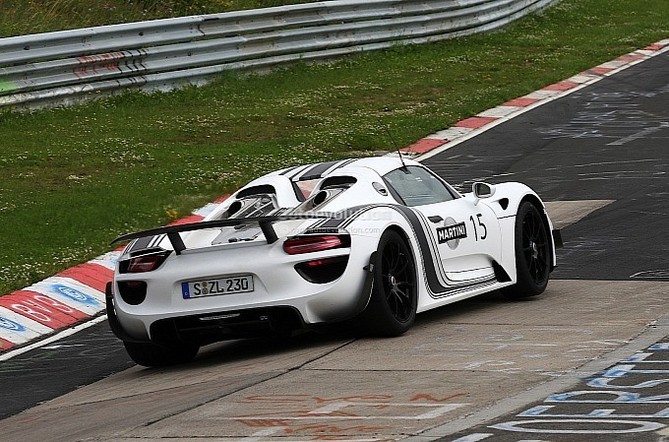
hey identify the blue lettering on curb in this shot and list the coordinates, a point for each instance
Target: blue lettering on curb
(76, 295)
(11, 325)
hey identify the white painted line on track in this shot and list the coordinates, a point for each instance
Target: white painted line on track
(262, 433)
(57, 337)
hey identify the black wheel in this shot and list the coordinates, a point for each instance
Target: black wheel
(151, 355)
(533, 253)
(392, 307)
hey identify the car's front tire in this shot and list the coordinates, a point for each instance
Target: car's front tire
(392, 306)
(533, 253)
(152, 355)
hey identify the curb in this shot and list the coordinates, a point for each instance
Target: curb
(471, 127)
(64, 301)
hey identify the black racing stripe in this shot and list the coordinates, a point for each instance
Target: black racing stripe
(431, 272)
(142, 243)
(147, 242)
(156, 240)
(346, 217)
(342, 163)
(319, 223)
(317, 170)
(297, 170)
(287, 171)
(346, 163)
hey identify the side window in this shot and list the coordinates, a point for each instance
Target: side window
(418, 187)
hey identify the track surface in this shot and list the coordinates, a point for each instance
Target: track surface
(605, 142)
(59, 368)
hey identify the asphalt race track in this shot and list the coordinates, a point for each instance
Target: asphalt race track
(605, 142)
(589, 359)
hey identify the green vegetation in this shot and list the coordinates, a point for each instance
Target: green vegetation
(72, 179)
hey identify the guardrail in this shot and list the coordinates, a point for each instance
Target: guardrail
(62, 67)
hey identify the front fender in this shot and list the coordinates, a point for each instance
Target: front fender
(505, 203)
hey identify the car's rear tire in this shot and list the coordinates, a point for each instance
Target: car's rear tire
(533, 254)
(152, 355)
(392, 306)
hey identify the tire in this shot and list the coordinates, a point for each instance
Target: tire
(533, 254)
(152, 355)
(392, 306)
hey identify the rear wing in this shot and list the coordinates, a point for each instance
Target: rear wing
(173, 232)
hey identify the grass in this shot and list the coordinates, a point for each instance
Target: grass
(73, 179)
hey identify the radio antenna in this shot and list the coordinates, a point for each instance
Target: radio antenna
(392, 140)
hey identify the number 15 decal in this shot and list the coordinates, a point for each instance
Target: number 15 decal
(480, 230)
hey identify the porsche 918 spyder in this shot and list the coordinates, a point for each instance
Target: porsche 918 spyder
(368, 242)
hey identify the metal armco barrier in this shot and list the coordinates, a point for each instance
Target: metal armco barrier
(61, 67)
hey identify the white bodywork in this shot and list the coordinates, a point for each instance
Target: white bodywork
(447, 270)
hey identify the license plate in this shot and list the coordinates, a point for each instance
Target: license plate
(213, 287)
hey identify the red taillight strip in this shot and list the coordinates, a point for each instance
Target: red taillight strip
(308, 244)
(143, 263)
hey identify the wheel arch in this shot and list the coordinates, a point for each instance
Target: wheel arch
(397, 228)
(376, 317)
(548, 225)
(405, 236)
(515, 195)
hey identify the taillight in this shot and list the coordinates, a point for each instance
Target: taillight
(308, 244)
(144, 263)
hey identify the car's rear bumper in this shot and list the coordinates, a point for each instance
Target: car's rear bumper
(282, 300)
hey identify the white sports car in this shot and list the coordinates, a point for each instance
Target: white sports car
(367, 242)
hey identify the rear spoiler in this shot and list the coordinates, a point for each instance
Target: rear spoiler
(173, 232)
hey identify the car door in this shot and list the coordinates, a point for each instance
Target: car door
(464, 232)
(467, 238)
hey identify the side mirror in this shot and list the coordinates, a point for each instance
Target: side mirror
(482, 190)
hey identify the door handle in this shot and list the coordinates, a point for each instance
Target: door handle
(435, 218)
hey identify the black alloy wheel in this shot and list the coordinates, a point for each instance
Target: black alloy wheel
(533, 253)
(398, 280)
(535, 247)
(392, 307)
